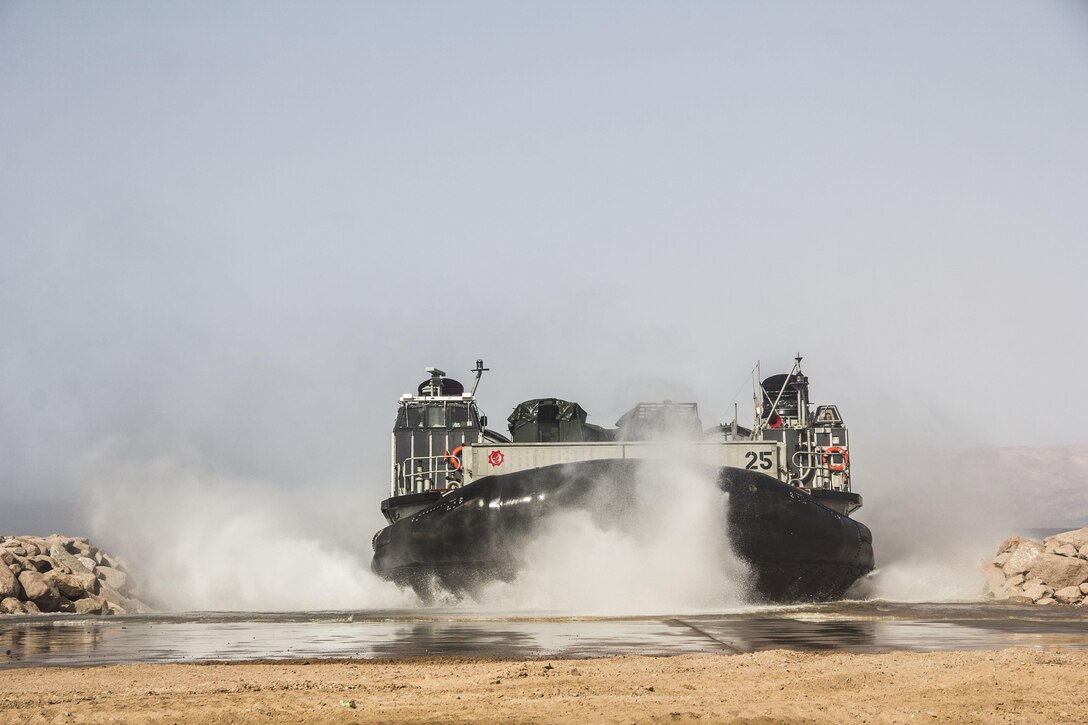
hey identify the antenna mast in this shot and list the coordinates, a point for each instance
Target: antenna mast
(479, 370)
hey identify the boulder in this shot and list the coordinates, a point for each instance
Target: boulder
(1047, 600)
(88, 562)
(1014, 581)
(1020, 599)
(1011, 543)
(1069, 595)
(1066, 550)
(11, 605)
(1037, 592)
(995, 579)
(9, 585)
(114, 578)
(90, 605)
(67, 584)
(1000, 559)
(66, 560)
(40, 564)
(1023, 556)
(1077, 538)
(1084, 588)
(7, 557)
(1059, 571)
(118, 600)
(1083, 552)
(31, 607)
(36, 586)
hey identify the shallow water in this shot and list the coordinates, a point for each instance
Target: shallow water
(59, 640)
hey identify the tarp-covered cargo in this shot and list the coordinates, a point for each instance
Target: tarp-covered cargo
(549, 420)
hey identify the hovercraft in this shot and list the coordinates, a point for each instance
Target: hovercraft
(465, 500)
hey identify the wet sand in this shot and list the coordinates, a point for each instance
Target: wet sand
(1012, 685)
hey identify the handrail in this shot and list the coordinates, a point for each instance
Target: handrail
(431, 472)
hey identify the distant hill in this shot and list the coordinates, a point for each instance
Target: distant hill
(1048, 486)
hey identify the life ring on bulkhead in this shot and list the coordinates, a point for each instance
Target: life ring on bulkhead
(836, 451)
(454, 458)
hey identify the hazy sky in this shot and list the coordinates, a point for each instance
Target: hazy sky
(242, 230)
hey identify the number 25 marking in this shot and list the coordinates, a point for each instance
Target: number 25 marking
(763, 459)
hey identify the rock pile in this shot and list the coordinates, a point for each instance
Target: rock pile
(62, 574)
(1051, 571)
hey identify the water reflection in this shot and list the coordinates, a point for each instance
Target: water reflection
(853, 627)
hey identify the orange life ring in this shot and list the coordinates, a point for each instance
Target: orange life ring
(454, 458)
(836, 451)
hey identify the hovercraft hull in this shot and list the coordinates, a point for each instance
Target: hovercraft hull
(795, 548)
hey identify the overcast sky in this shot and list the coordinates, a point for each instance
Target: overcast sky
(242, 230)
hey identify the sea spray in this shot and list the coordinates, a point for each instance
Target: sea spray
(205, 542)
(664, 549)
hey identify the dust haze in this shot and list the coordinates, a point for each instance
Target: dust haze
(231, 237)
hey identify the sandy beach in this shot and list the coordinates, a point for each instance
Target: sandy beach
(774, 686)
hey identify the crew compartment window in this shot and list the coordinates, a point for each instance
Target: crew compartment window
(412, 416)
(436, 416)
(459, 415)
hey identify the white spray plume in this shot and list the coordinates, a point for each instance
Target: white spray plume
(668, 553)
(200, 542)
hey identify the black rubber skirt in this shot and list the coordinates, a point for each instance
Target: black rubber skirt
(795, 548)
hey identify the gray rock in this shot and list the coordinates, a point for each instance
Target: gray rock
(11, 605)
(88, 562)
(7, 557)
(117, 599)
(1009, 544)
(31, 607)
(1037, 592)
(1077, 538)
(32, 549)
(1059, 571)
(9, 585)
(67, 584)
(66, 560)
(90, 605)
(36, 586)
(1069, 595)
(40, 564)
(113, 578)
(995, 579)
(1066, 550)
(1023, 556)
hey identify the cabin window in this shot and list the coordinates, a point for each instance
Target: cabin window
(436, 416)
(414, 417)
(458, 414)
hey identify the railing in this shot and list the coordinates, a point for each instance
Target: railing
(424, 473)
(815, 468)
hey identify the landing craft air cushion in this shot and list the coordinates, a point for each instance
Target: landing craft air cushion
(465, 500)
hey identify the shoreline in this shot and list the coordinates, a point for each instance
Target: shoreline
(772, 685)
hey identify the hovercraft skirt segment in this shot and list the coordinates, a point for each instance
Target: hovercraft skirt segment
(796, 549)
